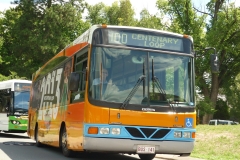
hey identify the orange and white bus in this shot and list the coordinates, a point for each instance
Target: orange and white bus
(117, 89)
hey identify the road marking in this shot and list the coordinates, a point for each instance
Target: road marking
(4, 156)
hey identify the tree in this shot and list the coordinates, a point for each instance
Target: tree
(112, 14)
(7, 23)
(39, 30)
(221, 32)
(118, 14)
(222, 110)
(151, 21)
(225, 24)
(126, 15)
(96, 13)
(233, 96)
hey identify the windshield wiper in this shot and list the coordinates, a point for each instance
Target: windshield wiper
(133, 91)
(160, 88)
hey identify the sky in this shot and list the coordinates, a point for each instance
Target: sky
(137, 5)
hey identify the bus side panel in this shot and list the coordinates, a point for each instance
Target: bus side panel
(51, 124)
(54, 102)
(49, 99)
(31, 122)
(73, 49)
(95, 114)
(4, 122)
(74, 125)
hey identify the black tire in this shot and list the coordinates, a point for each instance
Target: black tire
(64, 145)
(38, 144)
(146, 156)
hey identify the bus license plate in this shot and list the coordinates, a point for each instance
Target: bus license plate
(145, 149)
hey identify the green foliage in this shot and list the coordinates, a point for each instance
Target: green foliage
(118, 14)
(126, 15)
(3, 78)
(222, 32)
(112, 14)
(150, 21)
(205, 106)
(222, 110)
(233, 97)
(96, 13)
(7, 23)
(13, 75)
(34, 32)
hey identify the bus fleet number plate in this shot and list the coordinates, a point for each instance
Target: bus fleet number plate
(145, 149)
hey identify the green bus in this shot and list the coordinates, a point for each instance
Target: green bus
(14, 100)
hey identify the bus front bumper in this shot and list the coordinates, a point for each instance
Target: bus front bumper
(130, 146)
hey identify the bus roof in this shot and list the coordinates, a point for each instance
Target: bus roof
(86, 36)
(10, 83)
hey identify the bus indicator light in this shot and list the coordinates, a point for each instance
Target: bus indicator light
(104, 25)
(185, 36)
(93, 130)
(193, 134)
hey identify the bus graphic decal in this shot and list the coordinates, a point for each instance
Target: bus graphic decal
(50, 95)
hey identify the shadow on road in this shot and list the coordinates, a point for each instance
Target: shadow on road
(88, 156)
(12, 135)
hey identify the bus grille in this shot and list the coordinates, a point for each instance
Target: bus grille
(150, 133)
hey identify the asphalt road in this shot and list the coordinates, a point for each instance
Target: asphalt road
(20, 147)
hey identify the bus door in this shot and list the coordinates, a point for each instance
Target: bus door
(4, 108)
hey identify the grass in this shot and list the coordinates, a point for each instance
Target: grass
(217, 142)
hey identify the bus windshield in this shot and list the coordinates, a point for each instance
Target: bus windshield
(21, 101)
(143, 77)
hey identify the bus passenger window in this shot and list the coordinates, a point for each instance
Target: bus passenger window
(3, 103)
(78, 96)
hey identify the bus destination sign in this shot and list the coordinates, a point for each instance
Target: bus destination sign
(145, 39)
(22, 86)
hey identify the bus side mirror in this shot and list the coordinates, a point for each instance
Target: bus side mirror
(74, 81)
(214, 63)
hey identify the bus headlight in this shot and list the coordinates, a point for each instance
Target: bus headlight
(104, 130)
(116, 131)
(177, 134)
(186, 134)
(15, 122)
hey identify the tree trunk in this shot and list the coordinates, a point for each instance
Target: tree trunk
(207, 118)
(213, 97)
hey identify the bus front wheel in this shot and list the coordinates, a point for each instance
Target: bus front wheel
(146, 156)
(64, 144)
